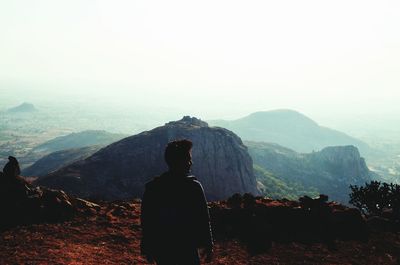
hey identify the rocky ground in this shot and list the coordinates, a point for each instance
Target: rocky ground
(110, 234)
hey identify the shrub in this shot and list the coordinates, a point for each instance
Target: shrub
(376, 197)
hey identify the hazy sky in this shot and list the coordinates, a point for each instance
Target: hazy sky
(211, 58)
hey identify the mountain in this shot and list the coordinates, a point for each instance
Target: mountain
(120, 170)
(77, 140)
(58, 159)
(290, 129)
(23, 108)
(330, 171)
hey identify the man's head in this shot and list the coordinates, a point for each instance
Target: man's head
(178, 156)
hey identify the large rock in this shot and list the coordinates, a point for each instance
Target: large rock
(120, 170)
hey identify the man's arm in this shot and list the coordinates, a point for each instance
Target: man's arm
(205, 239)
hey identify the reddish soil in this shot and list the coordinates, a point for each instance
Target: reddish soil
(112, 236)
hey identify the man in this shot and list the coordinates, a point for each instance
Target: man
(175, 219)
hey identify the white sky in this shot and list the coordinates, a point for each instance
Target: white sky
(212, 59)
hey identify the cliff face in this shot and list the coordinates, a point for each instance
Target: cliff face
(344, 162)
(330, 171)
(120, 170)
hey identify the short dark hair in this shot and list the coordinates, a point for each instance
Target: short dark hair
(176, 151)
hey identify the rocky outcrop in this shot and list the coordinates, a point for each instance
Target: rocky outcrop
(120, 170)
(344, 162)
(330, 171)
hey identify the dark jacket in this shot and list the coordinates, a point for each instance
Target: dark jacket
(174, 215)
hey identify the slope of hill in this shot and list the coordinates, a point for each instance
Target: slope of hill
(77, 140)
(58, 159)
(120, 170)
(329, 171)
(278, 188)
(290, 129)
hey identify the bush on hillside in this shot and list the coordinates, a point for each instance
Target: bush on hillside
(375, 198)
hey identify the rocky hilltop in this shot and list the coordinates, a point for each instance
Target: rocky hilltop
(330, 171)
(120, 170)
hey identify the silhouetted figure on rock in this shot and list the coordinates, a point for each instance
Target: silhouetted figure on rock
(22, 203)
(13, 190)
(175, 219)
(12, 185)
(11, 169)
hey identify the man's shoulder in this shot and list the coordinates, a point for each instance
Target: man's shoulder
(192, 179)
(162, 180)
(194, 183)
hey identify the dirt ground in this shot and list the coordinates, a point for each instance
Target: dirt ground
(112, 236)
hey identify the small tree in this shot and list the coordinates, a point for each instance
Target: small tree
(375, 197)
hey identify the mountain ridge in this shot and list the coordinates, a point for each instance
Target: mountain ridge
(77, 140)
(289, 128)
